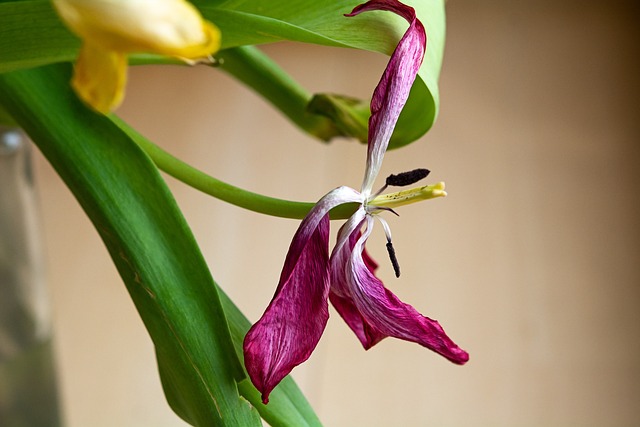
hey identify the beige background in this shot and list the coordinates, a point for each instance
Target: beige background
(531, 263)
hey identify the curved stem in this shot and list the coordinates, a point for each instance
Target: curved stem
(222, 190)
(252, 67)
(258, 71)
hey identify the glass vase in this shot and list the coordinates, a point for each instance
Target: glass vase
(28, 391)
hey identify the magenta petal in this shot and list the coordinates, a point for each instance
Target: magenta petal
(373, 312)
(293, 323)
(371, 263)
(395, 84)
(340, 293)
(352, 317)
(335, 197)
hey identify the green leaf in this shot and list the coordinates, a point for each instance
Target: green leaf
(287, 406)
(154, 251)
(245, 22)
(149, 241)
(31, 35)
(5, 118)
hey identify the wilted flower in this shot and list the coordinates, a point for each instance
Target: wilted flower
(111, 29)
(292, 324)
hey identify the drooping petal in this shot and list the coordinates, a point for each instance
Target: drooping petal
(292, 324)
(393, 89)
(340, 293)
(99, 77)
(381, 313)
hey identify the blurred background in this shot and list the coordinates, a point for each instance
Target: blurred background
(531, 264)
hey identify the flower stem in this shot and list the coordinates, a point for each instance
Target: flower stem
(255, 69)
(323, 116)
(222, 190)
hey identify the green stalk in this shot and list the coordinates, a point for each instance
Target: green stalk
(256, 70)
(222, 190)
(324, 116)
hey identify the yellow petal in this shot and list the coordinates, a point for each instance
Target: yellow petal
(99, 77)
(166, 27)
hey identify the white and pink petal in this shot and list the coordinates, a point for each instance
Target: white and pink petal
(392, 92)
(382, 313)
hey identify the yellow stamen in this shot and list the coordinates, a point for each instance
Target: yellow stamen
(412, 195)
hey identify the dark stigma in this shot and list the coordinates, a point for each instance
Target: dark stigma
(394, 260)
(407, 178)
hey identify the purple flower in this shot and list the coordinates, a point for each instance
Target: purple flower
(293, 323)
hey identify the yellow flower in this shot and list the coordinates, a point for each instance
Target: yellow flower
(111, 29)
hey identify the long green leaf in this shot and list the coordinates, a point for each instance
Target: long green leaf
(287, 406)
(245, 22)
(121, 192)
(149, 241)
(32, 35)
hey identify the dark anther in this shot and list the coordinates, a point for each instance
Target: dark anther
(407, 178)
(388, 210)
(394, 260)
